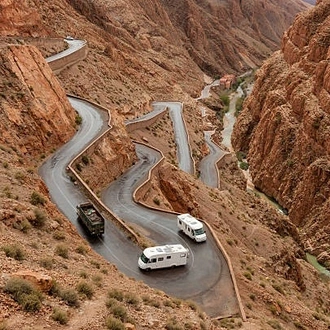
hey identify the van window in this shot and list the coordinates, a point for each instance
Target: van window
(153, 260)
(160, 259)
(168, 257)
(144, 258)
(199, 231)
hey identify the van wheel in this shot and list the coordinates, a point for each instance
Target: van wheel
(173, 266)
(148, 269)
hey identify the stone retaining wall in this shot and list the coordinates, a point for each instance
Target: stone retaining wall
(59, 64)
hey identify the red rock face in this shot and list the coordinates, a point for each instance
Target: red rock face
(285, 125)
(20, 18)
(36, 115)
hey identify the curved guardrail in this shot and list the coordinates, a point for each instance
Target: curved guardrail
(60, 65)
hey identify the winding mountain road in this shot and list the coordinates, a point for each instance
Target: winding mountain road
(205, 279)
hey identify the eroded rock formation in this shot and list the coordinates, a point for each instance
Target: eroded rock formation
(285, 126)
(36, 115)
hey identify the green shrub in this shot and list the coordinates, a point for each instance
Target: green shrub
(119, 312)
(69, 296)
(97, 279)
(156, 201)
(14, 251)
(24, 226)
(85, 289)
(248, 275)
(240, 155)
(95, 264)
(62, 251)
(132, 298)
(225, 99)
(82, 249)
(244, 166)
(59, 235)
(111, 302)
(192, 305)
(85, 159)
(24, 293)
(83, 274)
(37, 199)
(278, 288)
(60, 316)
(30, 302)
(114, 324)
(117, 294)
(78, 119)
(172, 324)
(39, 218)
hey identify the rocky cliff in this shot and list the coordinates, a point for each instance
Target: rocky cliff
(36, 115)
(20, 18)
(285, 126)
(155, 49)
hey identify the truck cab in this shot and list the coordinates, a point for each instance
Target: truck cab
(191, 227)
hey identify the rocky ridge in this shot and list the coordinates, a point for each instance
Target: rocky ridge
(284, 127)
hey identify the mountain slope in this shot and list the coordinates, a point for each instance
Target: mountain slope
(284, 127)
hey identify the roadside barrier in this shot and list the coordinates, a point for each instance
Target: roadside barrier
(60, 65)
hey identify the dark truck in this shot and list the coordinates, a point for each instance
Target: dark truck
(91, 218)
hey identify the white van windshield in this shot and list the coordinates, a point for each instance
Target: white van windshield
(144, 258)
(199, 231)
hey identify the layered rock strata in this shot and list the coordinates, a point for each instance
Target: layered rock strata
(285, 126)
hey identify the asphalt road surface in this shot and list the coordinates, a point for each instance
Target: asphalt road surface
(205, 279)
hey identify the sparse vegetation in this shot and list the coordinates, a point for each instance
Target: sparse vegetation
(78, 119)
(37, 199)
(24, 226)
(82, 249)
(25, 294)
(113, 323)
(116, 294)
(248, 275)
(62, 251)
(85, 289)
(59, 235)
(173, 324)
(132, 299)
(14, 251)
(69, 296)
(60, 316)
(39, 219)
(156, 200)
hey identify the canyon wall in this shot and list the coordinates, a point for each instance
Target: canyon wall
(36, 115)
(285, 127)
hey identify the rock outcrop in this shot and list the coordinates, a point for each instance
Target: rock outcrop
(20, 18)
(285, 126)
(36, 115)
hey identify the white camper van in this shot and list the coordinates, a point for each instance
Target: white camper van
(191, 227)
(163, 256)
